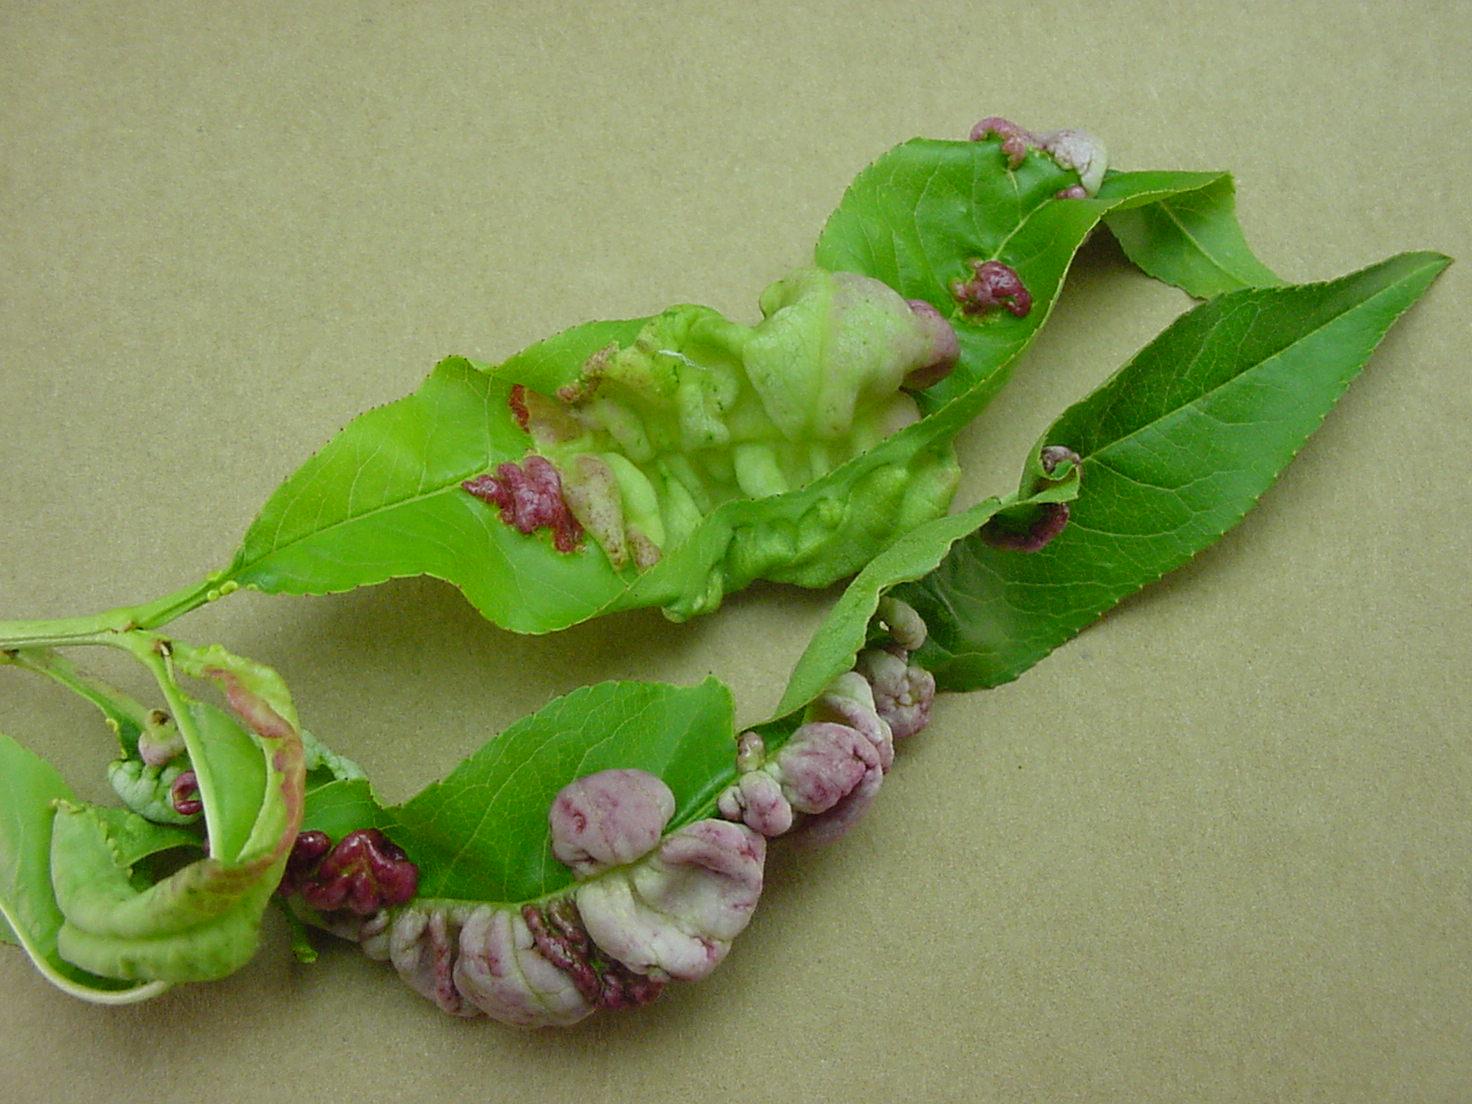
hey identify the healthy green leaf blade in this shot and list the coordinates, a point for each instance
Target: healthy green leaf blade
(1176, 448)
(342, 806)
(1192, 240)
(481, 833)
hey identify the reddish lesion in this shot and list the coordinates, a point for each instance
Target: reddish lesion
(560, 938)
(184, 794)
(992, 286)
(363, 873)
(516, 400)
(1016, 140)
(529, 496)
(1052, 519)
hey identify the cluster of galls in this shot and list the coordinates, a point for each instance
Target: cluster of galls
(648, 907)
(1069, 149)
(993, 285)
(830, 769)
(365, 873)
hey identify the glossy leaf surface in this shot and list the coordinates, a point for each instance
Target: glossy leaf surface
(1176, 448)
(481, 833)
(1192, 240)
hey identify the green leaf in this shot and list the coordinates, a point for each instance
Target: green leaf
(383, 500)
(201, 921)
(231, 772)
(919, 214)
(1177, 447)
(29, 790)
(835, 646)
(342, 806)
(1192, 241)
(481, 834)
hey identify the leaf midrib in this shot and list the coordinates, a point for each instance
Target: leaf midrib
(239, 567)
(1165, 206)
(1256, 365)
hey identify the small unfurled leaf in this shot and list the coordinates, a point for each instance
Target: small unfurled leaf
(1176, 448)
(1191, 240)
(481, 834)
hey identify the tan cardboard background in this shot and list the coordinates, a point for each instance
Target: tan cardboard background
(1215, 850)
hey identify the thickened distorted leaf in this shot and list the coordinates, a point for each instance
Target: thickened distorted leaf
(383, 500)
(814, 535)
(835, 646)
(481, 833)
(916, 217)
(1176, 448)
(557, 360)
(113, 918)
(29, 790)
(1192, 240)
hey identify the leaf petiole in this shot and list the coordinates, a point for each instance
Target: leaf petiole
(104, 627)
